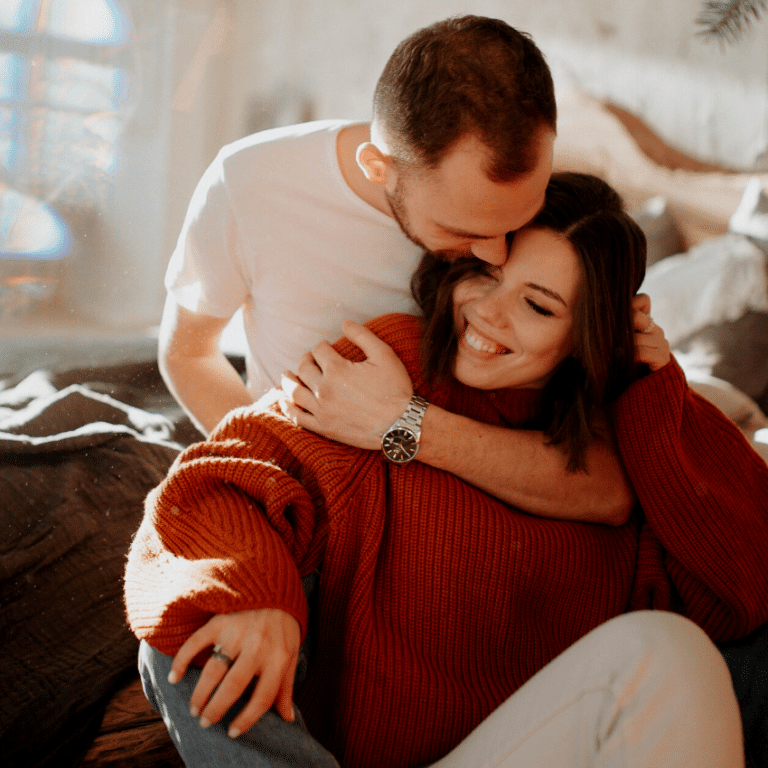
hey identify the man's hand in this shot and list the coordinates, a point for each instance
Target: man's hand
(263, 644)
(650, 345)
(354, 403)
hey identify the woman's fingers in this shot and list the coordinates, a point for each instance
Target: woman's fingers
(262, 645)
(271, 688)
(642, 322)
(651, 347)
(227, 689)
(641, 314)
(225, 633)
(195, 643)
(284, 700)
(642, 303)
(217, 677)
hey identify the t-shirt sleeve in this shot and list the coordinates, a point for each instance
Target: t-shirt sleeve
(704, 493)
(204, 273)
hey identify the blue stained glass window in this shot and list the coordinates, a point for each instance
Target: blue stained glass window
(99, 22)
(10, 121)
(30, 229)
(63, 97)
(81, 85)
(13, 75)
(63, 91)
(18, 15)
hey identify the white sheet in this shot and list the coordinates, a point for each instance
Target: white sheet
(715, 281)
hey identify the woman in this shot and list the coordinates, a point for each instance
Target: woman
(436, 602)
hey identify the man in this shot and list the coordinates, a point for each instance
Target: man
(312, 225)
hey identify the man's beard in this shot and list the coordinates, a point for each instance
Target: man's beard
(396, 202)
(397, 206)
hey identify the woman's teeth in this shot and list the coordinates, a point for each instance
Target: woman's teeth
(483, 345)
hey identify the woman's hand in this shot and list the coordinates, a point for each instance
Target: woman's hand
(650, 345)
(353, 403)
(262, 643)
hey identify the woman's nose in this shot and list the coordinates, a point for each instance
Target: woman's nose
(493, 250)
(492, 308)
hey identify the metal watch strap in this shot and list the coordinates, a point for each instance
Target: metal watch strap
(414, 414)
(400, 443)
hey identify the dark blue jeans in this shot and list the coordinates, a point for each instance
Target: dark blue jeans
(271, 743)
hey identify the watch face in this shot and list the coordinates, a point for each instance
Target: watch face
(400, 445)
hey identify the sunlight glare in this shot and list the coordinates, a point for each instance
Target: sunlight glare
(30, 229)
(100, 22)
(17, 14)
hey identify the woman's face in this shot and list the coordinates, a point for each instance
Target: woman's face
(515, 323)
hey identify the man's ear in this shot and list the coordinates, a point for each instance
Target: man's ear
(373, 163)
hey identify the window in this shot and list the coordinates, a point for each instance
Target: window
(64, 89)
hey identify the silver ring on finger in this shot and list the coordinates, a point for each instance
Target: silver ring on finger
(220, 655)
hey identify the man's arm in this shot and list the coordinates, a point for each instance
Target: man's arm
(519, 467)
(195, 370)
(355, 403)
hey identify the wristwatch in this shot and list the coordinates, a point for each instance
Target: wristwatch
(400, 442)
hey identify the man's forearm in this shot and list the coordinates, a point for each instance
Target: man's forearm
(207, 388)
(518, 467)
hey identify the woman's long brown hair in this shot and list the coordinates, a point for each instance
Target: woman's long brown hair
(611, 248)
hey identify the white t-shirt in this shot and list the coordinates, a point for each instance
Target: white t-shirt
(273, 227)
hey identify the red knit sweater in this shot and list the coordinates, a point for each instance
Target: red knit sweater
(436, 600)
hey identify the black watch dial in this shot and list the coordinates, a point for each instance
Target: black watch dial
(400, 445)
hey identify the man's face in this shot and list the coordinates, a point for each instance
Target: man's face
(457, 211)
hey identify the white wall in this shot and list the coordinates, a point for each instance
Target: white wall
(644, 55)
(211, 71)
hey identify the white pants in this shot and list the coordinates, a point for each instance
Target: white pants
(644, 689)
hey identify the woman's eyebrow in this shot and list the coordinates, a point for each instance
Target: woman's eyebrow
(548, 292)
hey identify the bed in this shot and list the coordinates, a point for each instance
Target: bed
(79, 450)
(81, 446)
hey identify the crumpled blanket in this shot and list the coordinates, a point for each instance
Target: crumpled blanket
(75, 466)
(716, 281)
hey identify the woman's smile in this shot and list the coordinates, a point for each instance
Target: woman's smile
(480, 343)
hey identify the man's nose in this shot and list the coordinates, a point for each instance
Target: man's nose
(494, 250)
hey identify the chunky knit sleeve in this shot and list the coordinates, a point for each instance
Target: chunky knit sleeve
(704, 495)
(239, 519)
(243, 515)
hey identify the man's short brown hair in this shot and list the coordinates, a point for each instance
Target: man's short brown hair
(468, 75)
